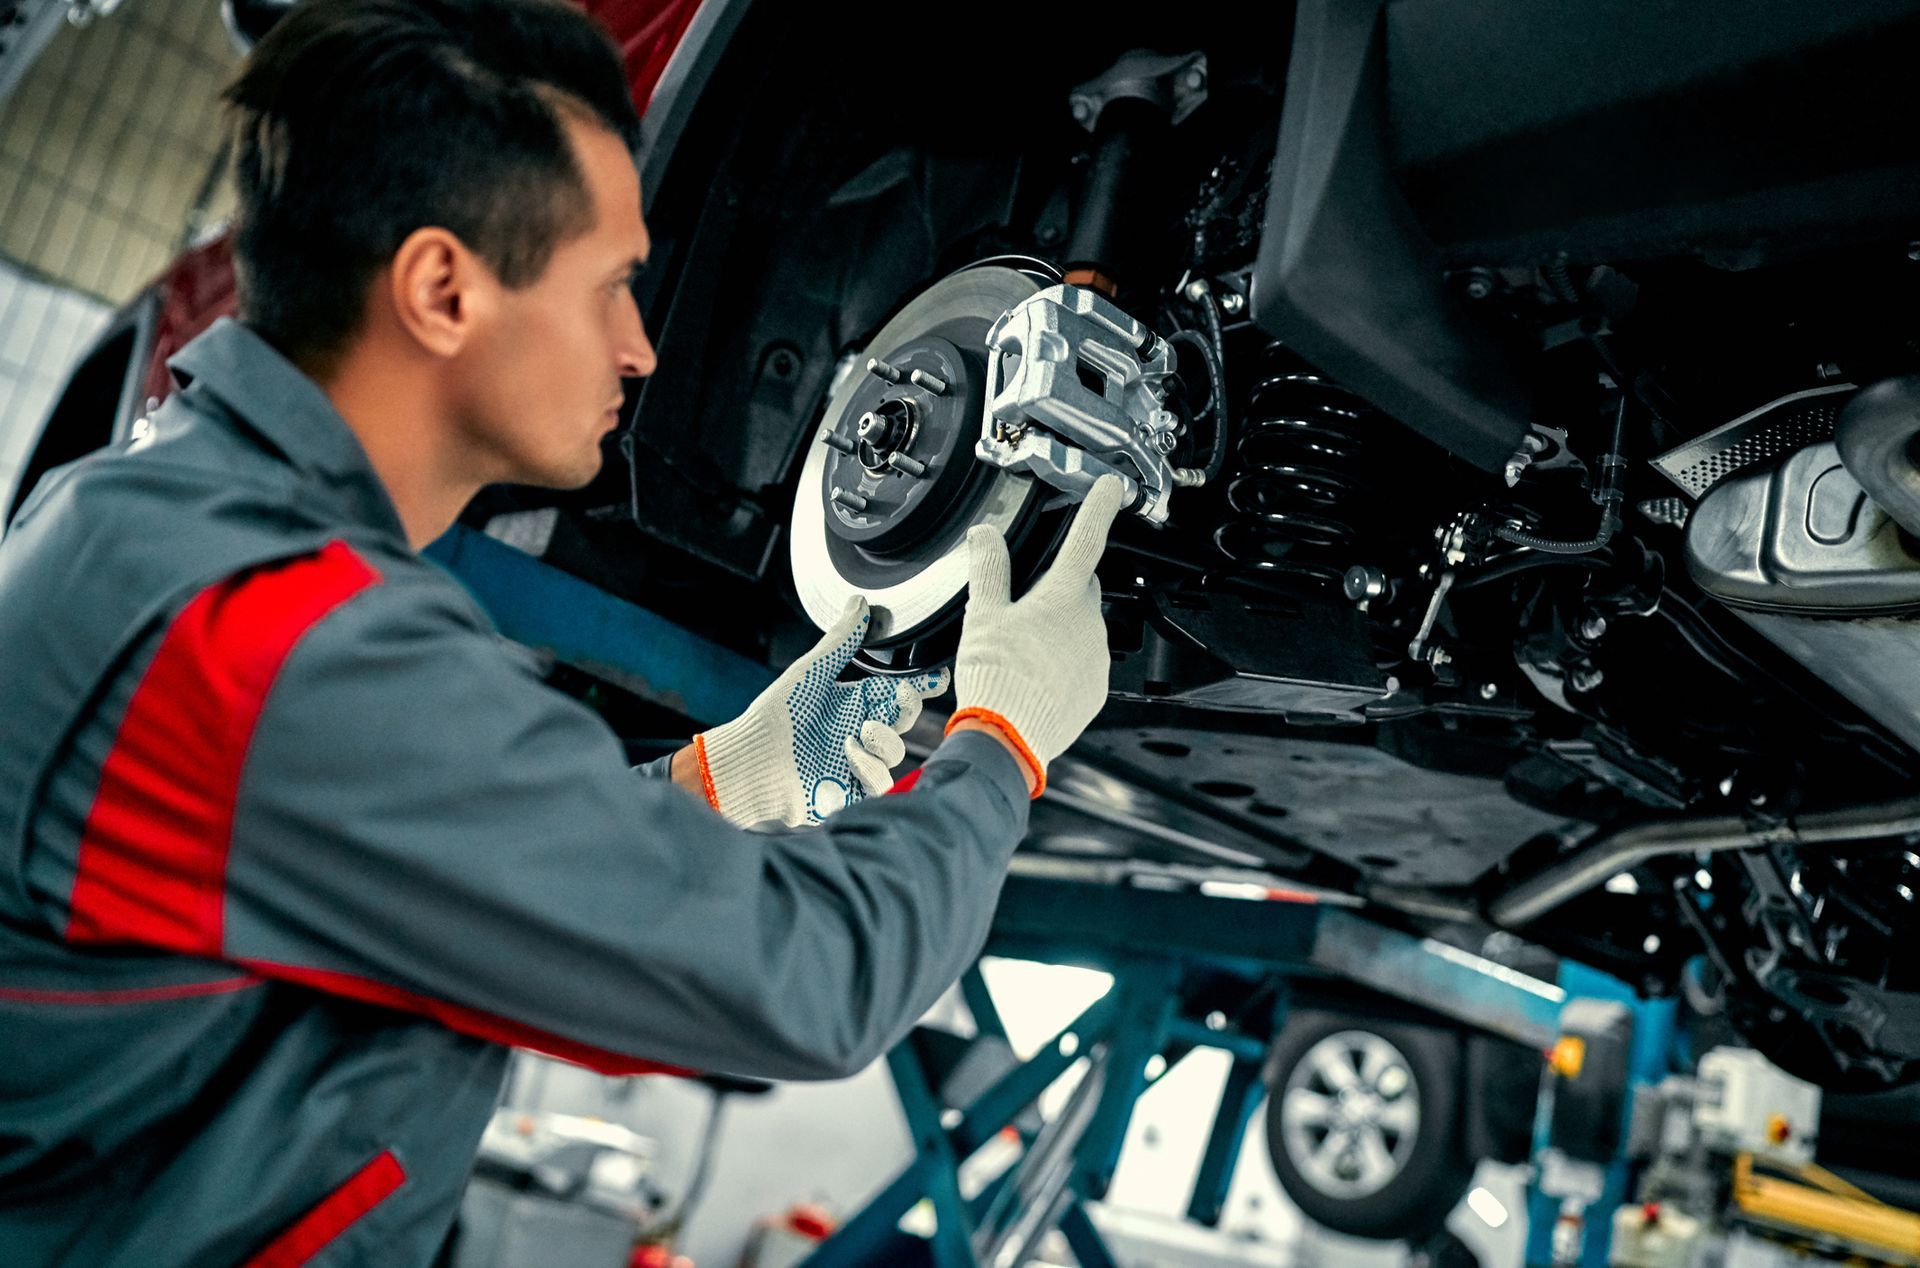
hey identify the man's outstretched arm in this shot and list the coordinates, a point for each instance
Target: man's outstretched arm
(410, 817)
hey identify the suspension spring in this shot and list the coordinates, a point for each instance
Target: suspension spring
(1297, 495)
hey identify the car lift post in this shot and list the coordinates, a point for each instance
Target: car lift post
(1577, 1186)
(1151, 940)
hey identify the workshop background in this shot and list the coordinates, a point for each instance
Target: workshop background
(110, 164)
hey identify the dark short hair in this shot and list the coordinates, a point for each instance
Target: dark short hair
(359, 121)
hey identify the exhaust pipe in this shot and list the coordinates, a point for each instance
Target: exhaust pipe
(1611, 853)
(1875, 434)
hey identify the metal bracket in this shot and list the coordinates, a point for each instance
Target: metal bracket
(1176, 83)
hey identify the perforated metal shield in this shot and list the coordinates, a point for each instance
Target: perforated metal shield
(1775, 429)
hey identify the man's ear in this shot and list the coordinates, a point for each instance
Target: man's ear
(438, 289)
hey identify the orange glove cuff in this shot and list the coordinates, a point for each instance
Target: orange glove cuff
(1012, 736)
(706, 775)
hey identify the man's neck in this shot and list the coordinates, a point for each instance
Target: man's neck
(394, 414)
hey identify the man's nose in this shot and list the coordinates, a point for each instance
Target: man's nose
(637, 359)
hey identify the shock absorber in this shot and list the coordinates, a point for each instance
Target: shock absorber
(1297, 495)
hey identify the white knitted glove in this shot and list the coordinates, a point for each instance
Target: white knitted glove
(809, 744)
(1036, 669)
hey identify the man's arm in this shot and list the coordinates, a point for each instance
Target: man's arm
(422, 823)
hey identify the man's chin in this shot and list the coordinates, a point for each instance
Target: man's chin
(565, 479)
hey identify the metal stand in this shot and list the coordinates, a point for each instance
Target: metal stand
(1167, 952)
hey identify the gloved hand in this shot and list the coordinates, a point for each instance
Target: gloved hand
(809, 744)
(1036, 670)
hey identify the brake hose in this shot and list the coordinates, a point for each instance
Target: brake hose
(1609, 495)
(1213, 350)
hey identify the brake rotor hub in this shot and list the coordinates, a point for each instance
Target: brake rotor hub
(901, 450)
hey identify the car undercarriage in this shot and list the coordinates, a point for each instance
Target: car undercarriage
(1467, 571)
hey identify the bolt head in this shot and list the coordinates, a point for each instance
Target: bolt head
(1233, 303)
(1362, 582)
(1082, 109)
(1196, 78)
(1488, 691)
(1593, 627)
(1196, 290)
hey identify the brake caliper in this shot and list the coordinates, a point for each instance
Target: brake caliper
(1076, 389)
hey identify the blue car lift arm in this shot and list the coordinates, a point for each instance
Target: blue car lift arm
(584, 626)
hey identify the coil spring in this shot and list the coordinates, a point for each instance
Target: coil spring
(1299, 480)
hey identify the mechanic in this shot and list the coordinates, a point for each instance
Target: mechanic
(295, 846)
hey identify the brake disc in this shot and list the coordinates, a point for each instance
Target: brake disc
(890, 484)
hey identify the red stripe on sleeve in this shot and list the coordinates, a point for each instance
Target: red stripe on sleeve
(153, 852)
(333, 1214)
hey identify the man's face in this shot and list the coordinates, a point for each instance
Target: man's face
(540, 385)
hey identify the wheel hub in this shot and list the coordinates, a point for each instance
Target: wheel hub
(901, 451)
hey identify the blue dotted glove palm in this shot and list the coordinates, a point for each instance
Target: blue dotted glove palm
(811, 744)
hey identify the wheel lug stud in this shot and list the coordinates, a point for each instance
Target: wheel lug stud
(910, 466)
(852, 501)
(880, 369)
(933, 383)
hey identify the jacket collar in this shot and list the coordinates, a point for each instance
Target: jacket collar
(271, 397)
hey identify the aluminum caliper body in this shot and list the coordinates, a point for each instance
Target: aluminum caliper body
(1076, 389)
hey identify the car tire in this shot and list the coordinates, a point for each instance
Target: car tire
(1384, 1160)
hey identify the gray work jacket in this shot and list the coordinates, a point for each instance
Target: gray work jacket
(292, 844)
